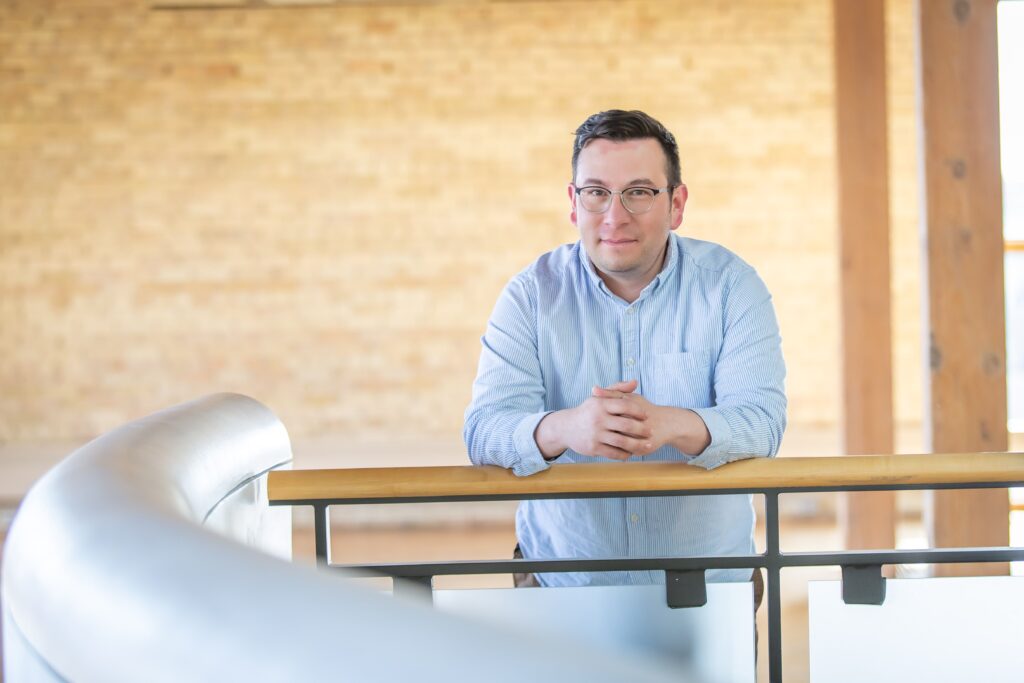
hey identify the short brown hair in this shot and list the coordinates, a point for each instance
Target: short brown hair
(619, 125)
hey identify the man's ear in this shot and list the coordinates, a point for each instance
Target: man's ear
(679, 197)
(572, 203)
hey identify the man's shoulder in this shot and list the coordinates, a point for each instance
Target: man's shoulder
(710, 258)
(552, 267)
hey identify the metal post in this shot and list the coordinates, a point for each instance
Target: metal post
(685, 588)
(773, 558)
(863, 585)
(322, 531)
(416, 587)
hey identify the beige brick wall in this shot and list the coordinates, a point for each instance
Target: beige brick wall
(318, 207)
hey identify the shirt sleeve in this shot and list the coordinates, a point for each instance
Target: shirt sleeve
(508, 393)
(749, 415)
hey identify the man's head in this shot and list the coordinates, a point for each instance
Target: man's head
(626, 196)
(618, 125)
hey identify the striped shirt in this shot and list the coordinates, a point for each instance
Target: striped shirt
(702, 335)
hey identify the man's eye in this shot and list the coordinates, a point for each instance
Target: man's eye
(595, 192)
(639, 192)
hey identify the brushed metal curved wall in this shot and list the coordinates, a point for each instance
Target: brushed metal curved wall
(148, 554)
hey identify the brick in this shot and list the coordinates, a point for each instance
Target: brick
(318, 206)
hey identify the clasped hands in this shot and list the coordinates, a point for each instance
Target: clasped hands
(617, 423)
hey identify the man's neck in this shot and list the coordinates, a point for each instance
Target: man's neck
(624, 289)
(629, 288)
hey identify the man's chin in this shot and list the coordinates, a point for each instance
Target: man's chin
(613, 261)
(616, 267)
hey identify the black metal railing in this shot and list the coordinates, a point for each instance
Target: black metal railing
(862, 578)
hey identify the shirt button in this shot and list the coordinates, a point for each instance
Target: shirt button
(629, 311)
(634, 518)
(630, 361)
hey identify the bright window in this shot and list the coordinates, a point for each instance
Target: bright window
(1011, 123)
(1011, 115)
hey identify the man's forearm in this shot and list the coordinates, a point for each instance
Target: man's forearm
(549, 435)
(688, 433)
(679, 428)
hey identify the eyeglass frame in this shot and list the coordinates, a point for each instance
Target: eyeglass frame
(611, 193)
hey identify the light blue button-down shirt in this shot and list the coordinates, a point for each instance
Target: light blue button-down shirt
(702, 335)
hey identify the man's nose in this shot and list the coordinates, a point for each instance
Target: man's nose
(616, 213)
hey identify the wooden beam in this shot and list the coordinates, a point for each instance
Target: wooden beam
(867, 519)
(965, 390)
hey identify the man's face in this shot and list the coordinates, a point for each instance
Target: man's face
(624, 246)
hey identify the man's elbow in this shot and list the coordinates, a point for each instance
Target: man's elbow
(469, 438)
(776, 424)
(475, 440)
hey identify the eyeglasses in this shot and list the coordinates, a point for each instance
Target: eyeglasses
(597, 199)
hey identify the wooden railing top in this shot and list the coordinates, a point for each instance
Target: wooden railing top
(405, 483)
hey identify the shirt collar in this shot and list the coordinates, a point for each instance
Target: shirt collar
(590, 269)
(671, 262)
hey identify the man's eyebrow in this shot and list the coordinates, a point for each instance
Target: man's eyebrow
(631, 183)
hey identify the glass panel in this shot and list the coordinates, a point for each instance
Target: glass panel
(945, 630)
(711, 643)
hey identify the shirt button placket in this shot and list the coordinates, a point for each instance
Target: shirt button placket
(630, 344)
(634, 536)
(631, 370)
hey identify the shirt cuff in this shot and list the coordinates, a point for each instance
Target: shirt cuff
(717, 453)
(531, 460)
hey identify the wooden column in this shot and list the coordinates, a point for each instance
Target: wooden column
(867, 519)
(965, 389)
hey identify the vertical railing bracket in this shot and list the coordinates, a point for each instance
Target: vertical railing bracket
(685, 588)
(418, 587)
(322, 534)
(863, 585)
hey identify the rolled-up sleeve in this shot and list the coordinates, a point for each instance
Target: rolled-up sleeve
(508, 393)
(749, 414)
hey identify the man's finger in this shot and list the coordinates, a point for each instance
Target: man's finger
(644, 448)
(625, 408)
(627, 444)
(638, 429)
(606, 451)
(626, 387)
(601, 392)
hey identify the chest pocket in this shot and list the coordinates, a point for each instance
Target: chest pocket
(682, 380)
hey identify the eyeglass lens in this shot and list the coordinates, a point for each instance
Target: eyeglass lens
(634, 199)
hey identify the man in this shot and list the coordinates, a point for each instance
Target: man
(631, 344)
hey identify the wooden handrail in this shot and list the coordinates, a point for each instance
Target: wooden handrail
(382, 483)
